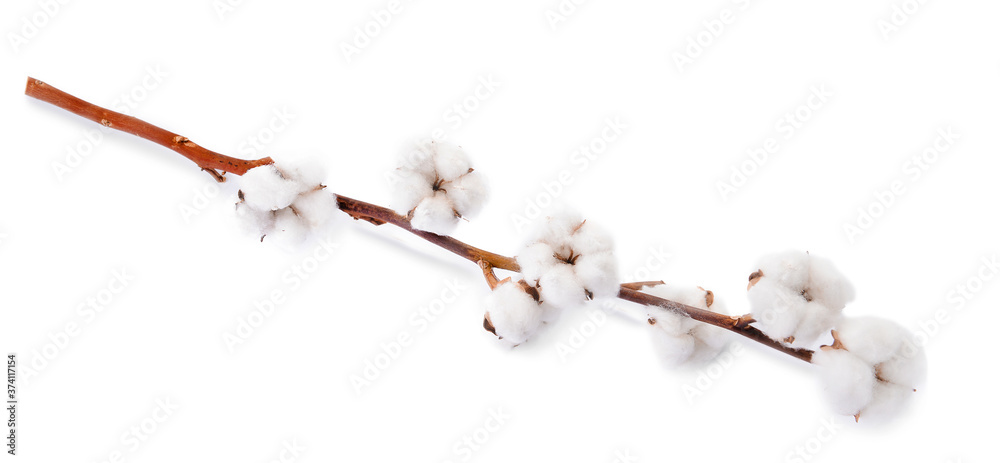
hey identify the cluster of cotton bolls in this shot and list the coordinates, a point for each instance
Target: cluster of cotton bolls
(436, 186)
(680, 340)
(873, 365)
(285, 203)
(570, 260)
(514, 312)
(872, 368)
(795, 297)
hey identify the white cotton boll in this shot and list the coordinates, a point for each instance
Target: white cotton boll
(550, 313)
(874, 339)
(556, 230)
(264, 188)
(672, 323)
(410, 188)
(450, 161)
(419, 159)
(682, 341)
(535, 260)
(435, 177)
(672, 350)
(709, 343)
(816, 320)
(306, 171)
(887, 345)
(598, 273)
(468, 193)
(254, 221)
(798, 296)
(894, 364)
(591, 238)
(848, 381)
(560, 287)
(908, 369)
(887, 402)
(316, 207)
(289, 230)
(776, 309)
(694, 342)
(515, 315)
(435, 214)
(827, 284)
(789, 268)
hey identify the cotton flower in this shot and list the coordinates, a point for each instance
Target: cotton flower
(795, 297)
(680, 340)
(570, 260)
(285, 202)
(513, 312)
(436, 186)
(872, 368)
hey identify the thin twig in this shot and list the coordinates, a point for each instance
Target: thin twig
(214, 163)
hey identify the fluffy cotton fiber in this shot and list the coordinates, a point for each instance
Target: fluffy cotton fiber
(872, 369)
(513, 313)
(678, 339)
(285, 203)
(436, 186)
(796, 297)
(569, 260)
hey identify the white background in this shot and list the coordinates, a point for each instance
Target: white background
(218, 75)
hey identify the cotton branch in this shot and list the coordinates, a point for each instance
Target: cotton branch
(218, 164)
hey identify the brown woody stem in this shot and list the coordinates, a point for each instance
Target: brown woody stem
(215, 163)
(726, 322)
(379, 215)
